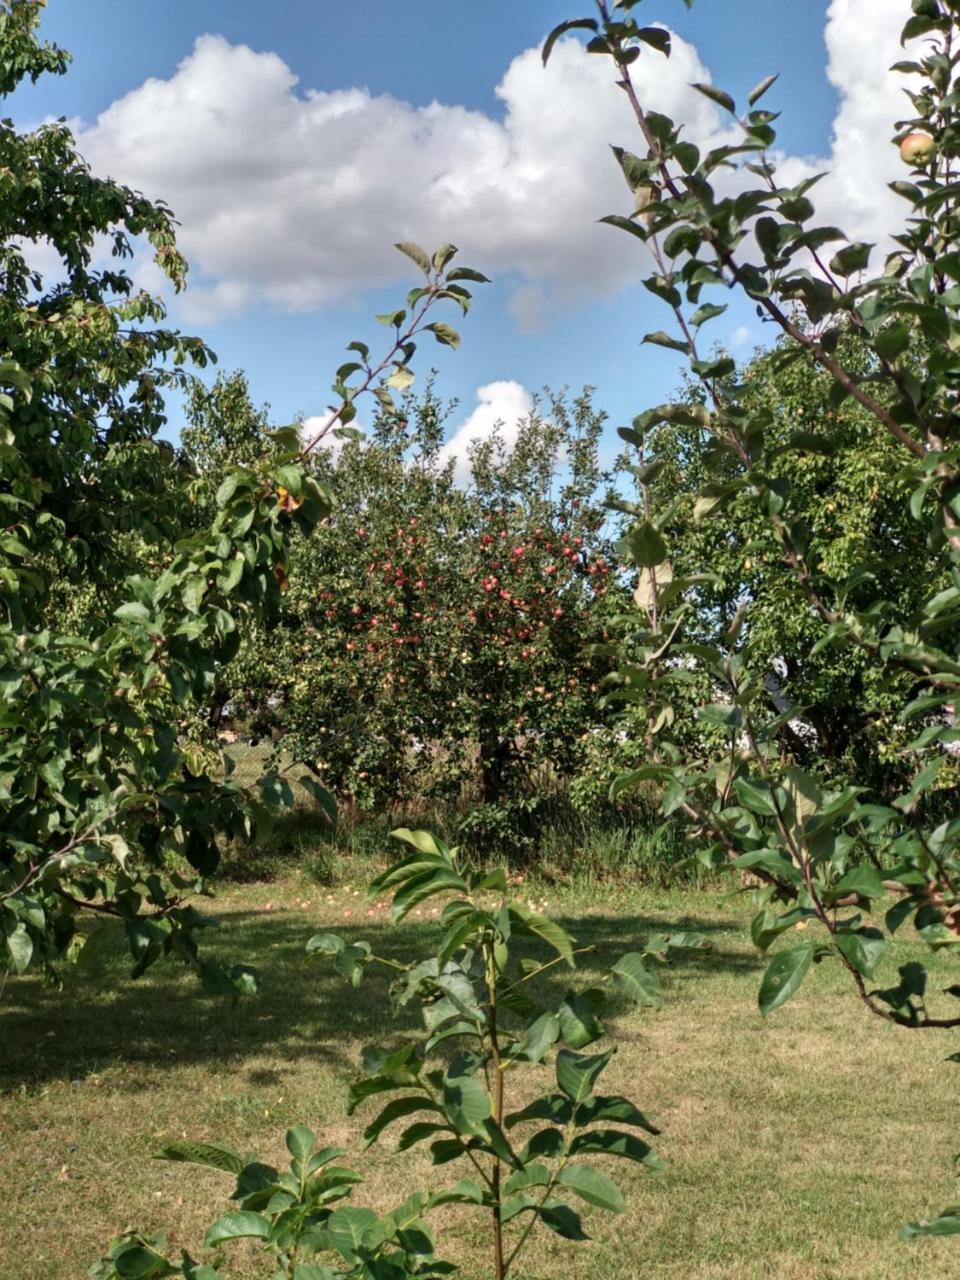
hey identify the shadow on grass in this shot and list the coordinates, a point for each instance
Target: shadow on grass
(305, 1011)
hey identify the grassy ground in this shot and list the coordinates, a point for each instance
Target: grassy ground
(796, 1146)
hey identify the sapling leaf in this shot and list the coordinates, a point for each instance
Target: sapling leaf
(612, 1142)
(594, 1187)
(562, 1220)
(639, 983)
(395, 1110)
(348, 1226)
(239, 1225)
(212, 1154)
(577, 1072)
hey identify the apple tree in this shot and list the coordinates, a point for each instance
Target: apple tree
(430, 640)
(883, 326)
(108, 811)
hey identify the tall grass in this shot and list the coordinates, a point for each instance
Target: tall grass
(547, 836)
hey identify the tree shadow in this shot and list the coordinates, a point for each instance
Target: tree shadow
(306, 1011)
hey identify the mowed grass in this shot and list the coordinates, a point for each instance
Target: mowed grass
(796, 1146)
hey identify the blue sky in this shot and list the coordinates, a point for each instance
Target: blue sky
(289, 248)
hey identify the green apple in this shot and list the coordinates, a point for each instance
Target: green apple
(917, 149)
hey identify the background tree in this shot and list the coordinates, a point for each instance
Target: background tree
(849, 501)
(430, 642)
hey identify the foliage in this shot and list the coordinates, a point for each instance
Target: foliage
(827, 854)
(431, 639)
(109, 808)
(294, 1215)
(851, 502)
(478, 997)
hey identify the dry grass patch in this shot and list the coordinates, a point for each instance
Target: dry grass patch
(796, 1147)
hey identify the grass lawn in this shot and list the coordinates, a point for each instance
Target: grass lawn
(796, 1147)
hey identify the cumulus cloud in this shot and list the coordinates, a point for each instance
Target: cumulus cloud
(863, 40)
(295, 197)
(316, 432)
(501, 407)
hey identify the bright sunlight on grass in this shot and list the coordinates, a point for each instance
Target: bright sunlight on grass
(760, 1119)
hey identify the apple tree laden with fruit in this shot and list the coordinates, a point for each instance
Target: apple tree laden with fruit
(430, 642)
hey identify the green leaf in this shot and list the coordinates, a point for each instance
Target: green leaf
(612, 1142)
(579, 1024)
(617, 1108)
(722, 715)
(708, 311)
(864, 948)
(467, 273)
(563, 1220)
(766, 927)
(444, 333)
(446, 253)
(646, 546)
(466, 1191)
(532, 925)
(948, 1224)
(626, 224)
(755, 796)
(532, 1175)
(135, 1260)
(394, 1110)
(663, 339)
(596, 1188)
(419, 1132)
(348, 1226)
(322, 797)
(571, 24)
(401, 378)
(328, 944)
(864, 880)
(757, 93)
(133, 611)
(898, 913)
(415, 254)
(228, 488)
(577, 1072)
(212, 1154)
(20, 947)
(850, 260)
(300, 1142)
(422, 840)
(804, 792)
(539, 1036)
(716, 95)
(423, 886)
(640, 984)
(466, 1104)
(784, 976)
(239, 1225)
(657, 38)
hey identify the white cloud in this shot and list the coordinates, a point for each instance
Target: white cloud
(316, 432)
(501, 407)
(863, 40)
(296, 198)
